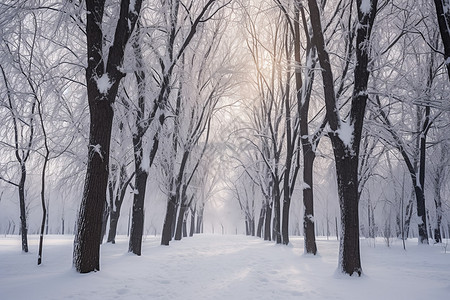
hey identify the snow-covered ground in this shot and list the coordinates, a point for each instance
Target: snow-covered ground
(223, 267)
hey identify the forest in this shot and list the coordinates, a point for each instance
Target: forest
(271, 118)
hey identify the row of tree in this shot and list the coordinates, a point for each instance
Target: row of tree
(372, 56)
(154, 77)
(157, 81)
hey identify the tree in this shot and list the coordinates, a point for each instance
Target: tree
(439, 177)
(413, 141)
(443, 17)
(117, 187)
(103, 75)
(271, 83)
(202, 84)
(176, 36)
(21, 102)
(346, 135)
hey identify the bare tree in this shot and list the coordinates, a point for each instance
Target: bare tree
(346, 135)
(21, 102)
(415, 157)
(443, 17)
(177, 37)
(103, 75)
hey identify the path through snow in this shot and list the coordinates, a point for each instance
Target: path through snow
(223, 267)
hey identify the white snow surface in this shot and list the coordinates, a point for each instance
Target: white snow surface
(223, 267)
(104, 84)
(97, 149)
(365, 6)
(345, 132)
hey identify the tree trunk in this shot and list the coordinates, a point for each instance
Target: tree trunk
(277, 217)
(303, 100)
(173, 226)
(141, 171)
(443, 16)
(46, 219)
(199, 226)
(438, 203)
(420, 186)
(44, 208)
(167, 227)
(102, 85)
(247, 226)
(408, 215)
(420, 198)
(192, 227)
(185, 226)
(173, 202)
(105, 218)
(260, 221)
(308, 202)
(285, 219)
(23, 214)
(137, 219)
(180, 221)
(87, 239)
(113, 220)
(267, 222)
(346, 151)
(347, 173)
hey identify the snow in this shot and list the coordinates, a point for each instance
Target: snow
(223, 267)
(145, 163)
(104, 84)
(365, 6)
(345, 132)
(97, 149)
(305, 186)
(132, 7)
(446, 8)
(311, 218)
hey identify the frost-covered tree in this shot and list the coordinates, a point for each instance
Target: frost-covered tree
(443, 17)
(409, 101)
(345, 135)
(103, 75)
(168, 31)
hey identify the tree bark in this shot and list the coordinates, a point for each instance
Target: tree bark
(443, 16)
(438, 181)
(140, 184)
(180, 221)
(192, 225)
(308, 200)
(199, 225)
(23, 213)
(102, 85)
(277, 216)
(105, 217)
(267, 222)
(117, 205)
(169, 221)
(141, 171)
(185, 226)
(44, 208)
(87, 239)
(347, 173)
(167, 227)
(261, 221)
(346, 152)
(303, 100)
(113, 220)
